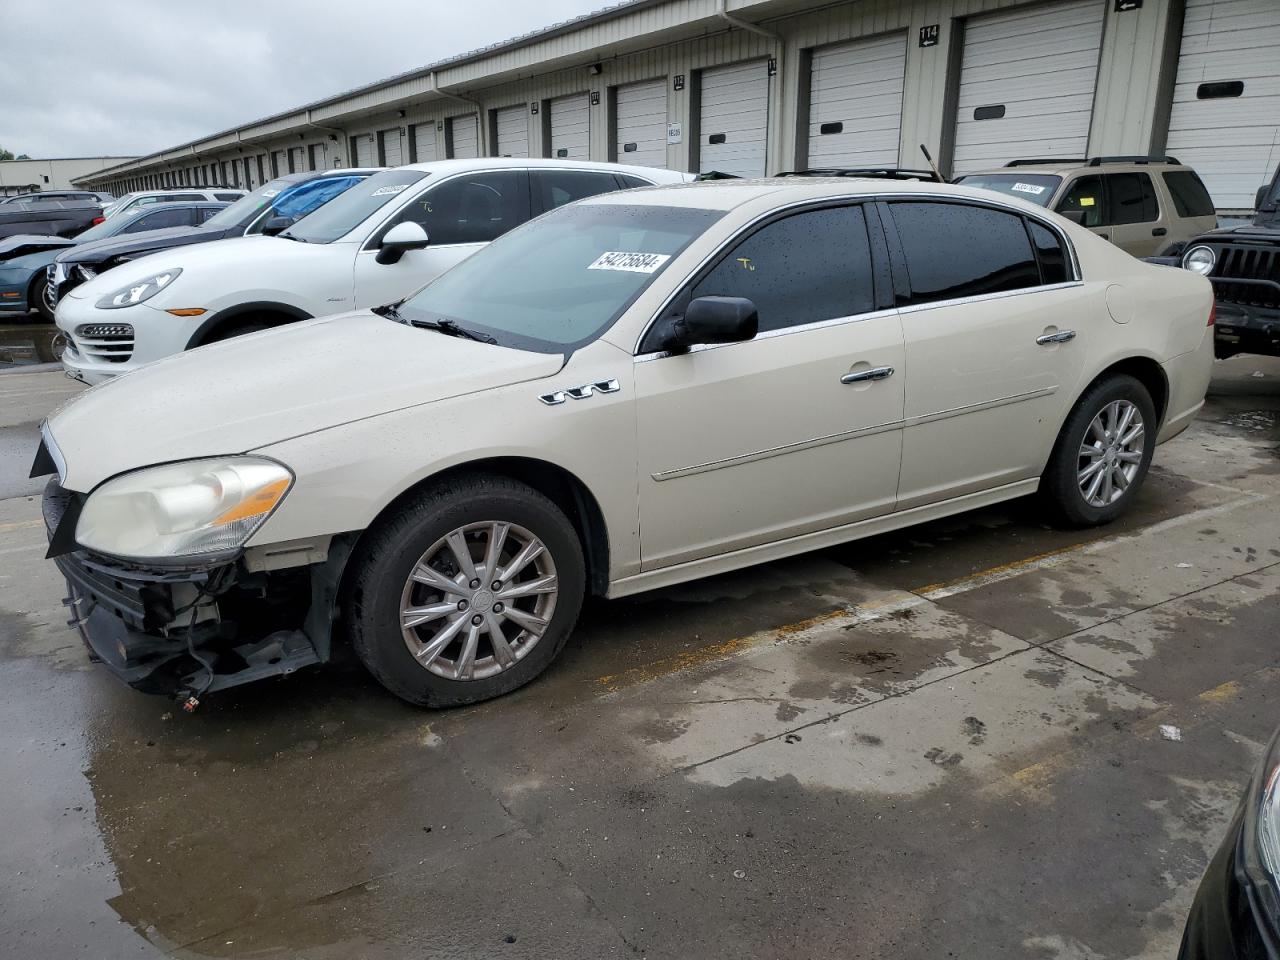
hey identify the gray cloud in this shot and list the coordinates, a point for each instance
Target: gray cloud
(88, 78)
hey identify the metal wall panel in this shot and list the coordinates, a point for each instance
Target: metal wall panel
(571, 127)
(392, 154)
(733, 119)
(640, 123)
(1027, 84)
(855, 102)
(464, 137)
(512, 127)
(1233, 141)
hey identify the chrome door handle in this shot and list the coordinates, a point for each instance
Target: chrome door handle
(875, 373)
(1062, 336)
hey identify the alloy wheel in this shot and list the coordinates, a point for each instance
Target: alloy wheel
(1111, 453)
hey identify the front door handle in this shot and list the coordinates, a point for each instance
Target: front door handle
(875, 373)
(1159, 232)
(1062, 336)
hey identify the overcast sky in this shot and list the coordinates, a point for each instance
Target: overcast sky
(83, 78)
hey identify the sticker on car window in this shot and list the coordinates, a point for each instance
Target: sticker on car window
(1086, 201)
(270, 193)
(629, 262)
(1031, 188)
(391, 190)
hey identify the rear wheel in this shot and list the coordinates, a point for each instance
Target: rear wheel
(1102, 454)
(467, 593)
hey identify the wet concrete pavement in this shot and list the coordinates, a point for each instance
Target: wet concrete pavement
(941, 742)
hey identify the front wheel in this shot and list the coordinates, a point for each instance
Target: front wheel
(42, 298)
(467, 593)
(1102, 453)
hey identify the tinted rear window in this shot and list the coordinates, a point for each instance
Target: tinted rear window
(1190, 197)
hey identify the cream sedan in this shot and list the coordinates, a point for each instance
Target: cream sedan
(629, 392)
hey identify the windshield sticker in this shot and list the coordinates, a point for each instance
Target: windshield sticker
(390, 191)
(1031, 188)
(266, 194)
(629, 262)
(1086, 201)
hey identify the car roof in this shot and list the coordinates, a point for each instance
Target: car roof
(1063, 167)
(504, 163)
(175, 205)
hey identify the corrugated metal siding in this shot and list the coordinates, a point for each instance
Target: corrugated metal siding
(1233, 142)
(641, 123)
(733, 119)
(1038, 66)
(571, 127)
(855, 102)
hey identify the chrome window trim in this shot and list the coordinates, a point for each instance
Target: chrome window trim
(983, 297)
(1076, 280)
(770, 334)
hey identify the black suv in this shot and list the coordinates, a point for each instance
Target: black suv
(1243, 264)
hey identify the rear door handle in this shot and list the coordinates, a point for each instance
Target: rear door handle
(1062, 336)
(1159, 232)
(875, 373)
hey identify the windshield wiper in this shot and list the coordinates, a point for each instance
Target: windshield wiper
(289, 236)
(449, 328)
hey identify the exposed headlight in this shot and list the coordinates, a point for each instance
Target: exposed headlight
(1200, 260)
(88, 273)
(138, 292)
(199, 509)
(1260, 845)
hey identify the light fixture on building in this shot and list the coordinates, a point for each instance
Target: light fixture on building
(595, 69)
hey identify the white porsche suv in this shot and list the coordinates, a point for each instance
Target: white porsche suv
(377, 243)
(632, 391)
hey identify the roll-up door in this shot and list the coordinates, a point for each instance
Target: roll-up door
(733, 121)
(1027, 81)
(855, 103)
(464, 140)
(365, 150)
(279, 164)
(571, 127)
(317, 156)
(1226, 103)
(296, 163)
(424, 142)
(389, 142)
(640, 117)
(512, 127)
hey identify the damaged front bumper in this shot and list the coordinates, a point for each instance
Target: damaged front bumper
(192, 631)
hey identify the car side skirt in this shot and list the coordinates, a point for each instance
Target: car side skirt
(778, 549)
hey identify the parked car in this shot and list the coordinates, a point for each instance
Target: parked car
(45, 196)
(1144, 205)
(1236, 911)
(283, 200)
(140, 198)
(616, 397)
(1243, 263)
(55, 218)
(25, 264)
(377, 242)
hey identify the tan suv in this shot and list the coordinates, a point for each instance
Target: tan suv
(1144, 205)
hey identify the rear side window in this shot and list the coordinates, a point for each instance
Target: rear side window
(1190, 198)
(1084, 194)
(555, 188)
(628, 181)
(957, 250)
(1053, 259)
(807, 267)
(1130, 199)
(181, 217)
(473, 208)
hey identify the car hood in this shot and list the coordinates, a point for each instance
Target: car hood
(1262, 231)
(22, 244)
(97, 251)
(242, 394)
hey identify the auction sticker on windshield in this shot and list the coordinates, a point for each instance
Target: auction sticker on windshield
(630, 262)
(390, 191)
(1031, 188)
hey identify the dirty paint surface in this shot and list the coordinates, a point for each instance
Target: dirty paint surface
(940, 742)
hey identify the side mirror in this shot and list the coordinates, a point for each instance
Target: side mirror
(1075, 216)
(713, 320)
(276, 225)
(400, 239)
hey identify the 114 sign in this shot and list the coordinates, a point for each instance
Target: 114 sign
(929, 35)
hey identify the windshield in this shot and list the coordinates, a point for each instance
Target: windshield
(560, 281)
(247, 207)
(107, 228)
(1036, 187)
(348, 211)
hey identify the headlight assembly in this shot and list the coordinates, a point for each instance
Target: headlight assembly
(1200, 260)
(198, 510)
(138, 292)
(1260, 843)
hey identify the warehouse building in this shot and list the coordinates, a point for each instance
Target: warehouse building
(760, 86)
(32, 176)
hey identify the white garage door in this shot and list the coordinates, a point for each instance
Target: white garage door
(640, 114)
(296, 163)
(424, 142)
(464, 136)
(855, 103)
(512, 124)
(278, 165)
(733, 128)
(1026, 84)
(392, 152)
(571, 127)
(1226, 104)
(364, 150)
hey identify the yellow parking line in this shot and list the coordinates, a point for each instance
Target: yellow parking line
(1222, 692)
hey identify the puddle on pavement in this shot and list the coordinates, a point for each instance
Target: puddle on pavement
(23, 344)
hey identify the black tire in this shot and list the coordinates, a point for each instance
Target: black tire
(36, 298)
(389, 551)
(1059, 485)
(238, 330)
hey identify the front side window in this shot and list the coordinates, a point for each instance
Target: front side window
(958, 250)
(1130, 199)
(559, 282)
(1084, 194)
(555, 188)
(472, 208)
(344, 213)
(804, 268)
(1190, 198)
(1036, 187)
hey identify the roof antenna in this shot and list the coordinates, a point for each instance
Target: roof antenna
(932, 166)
